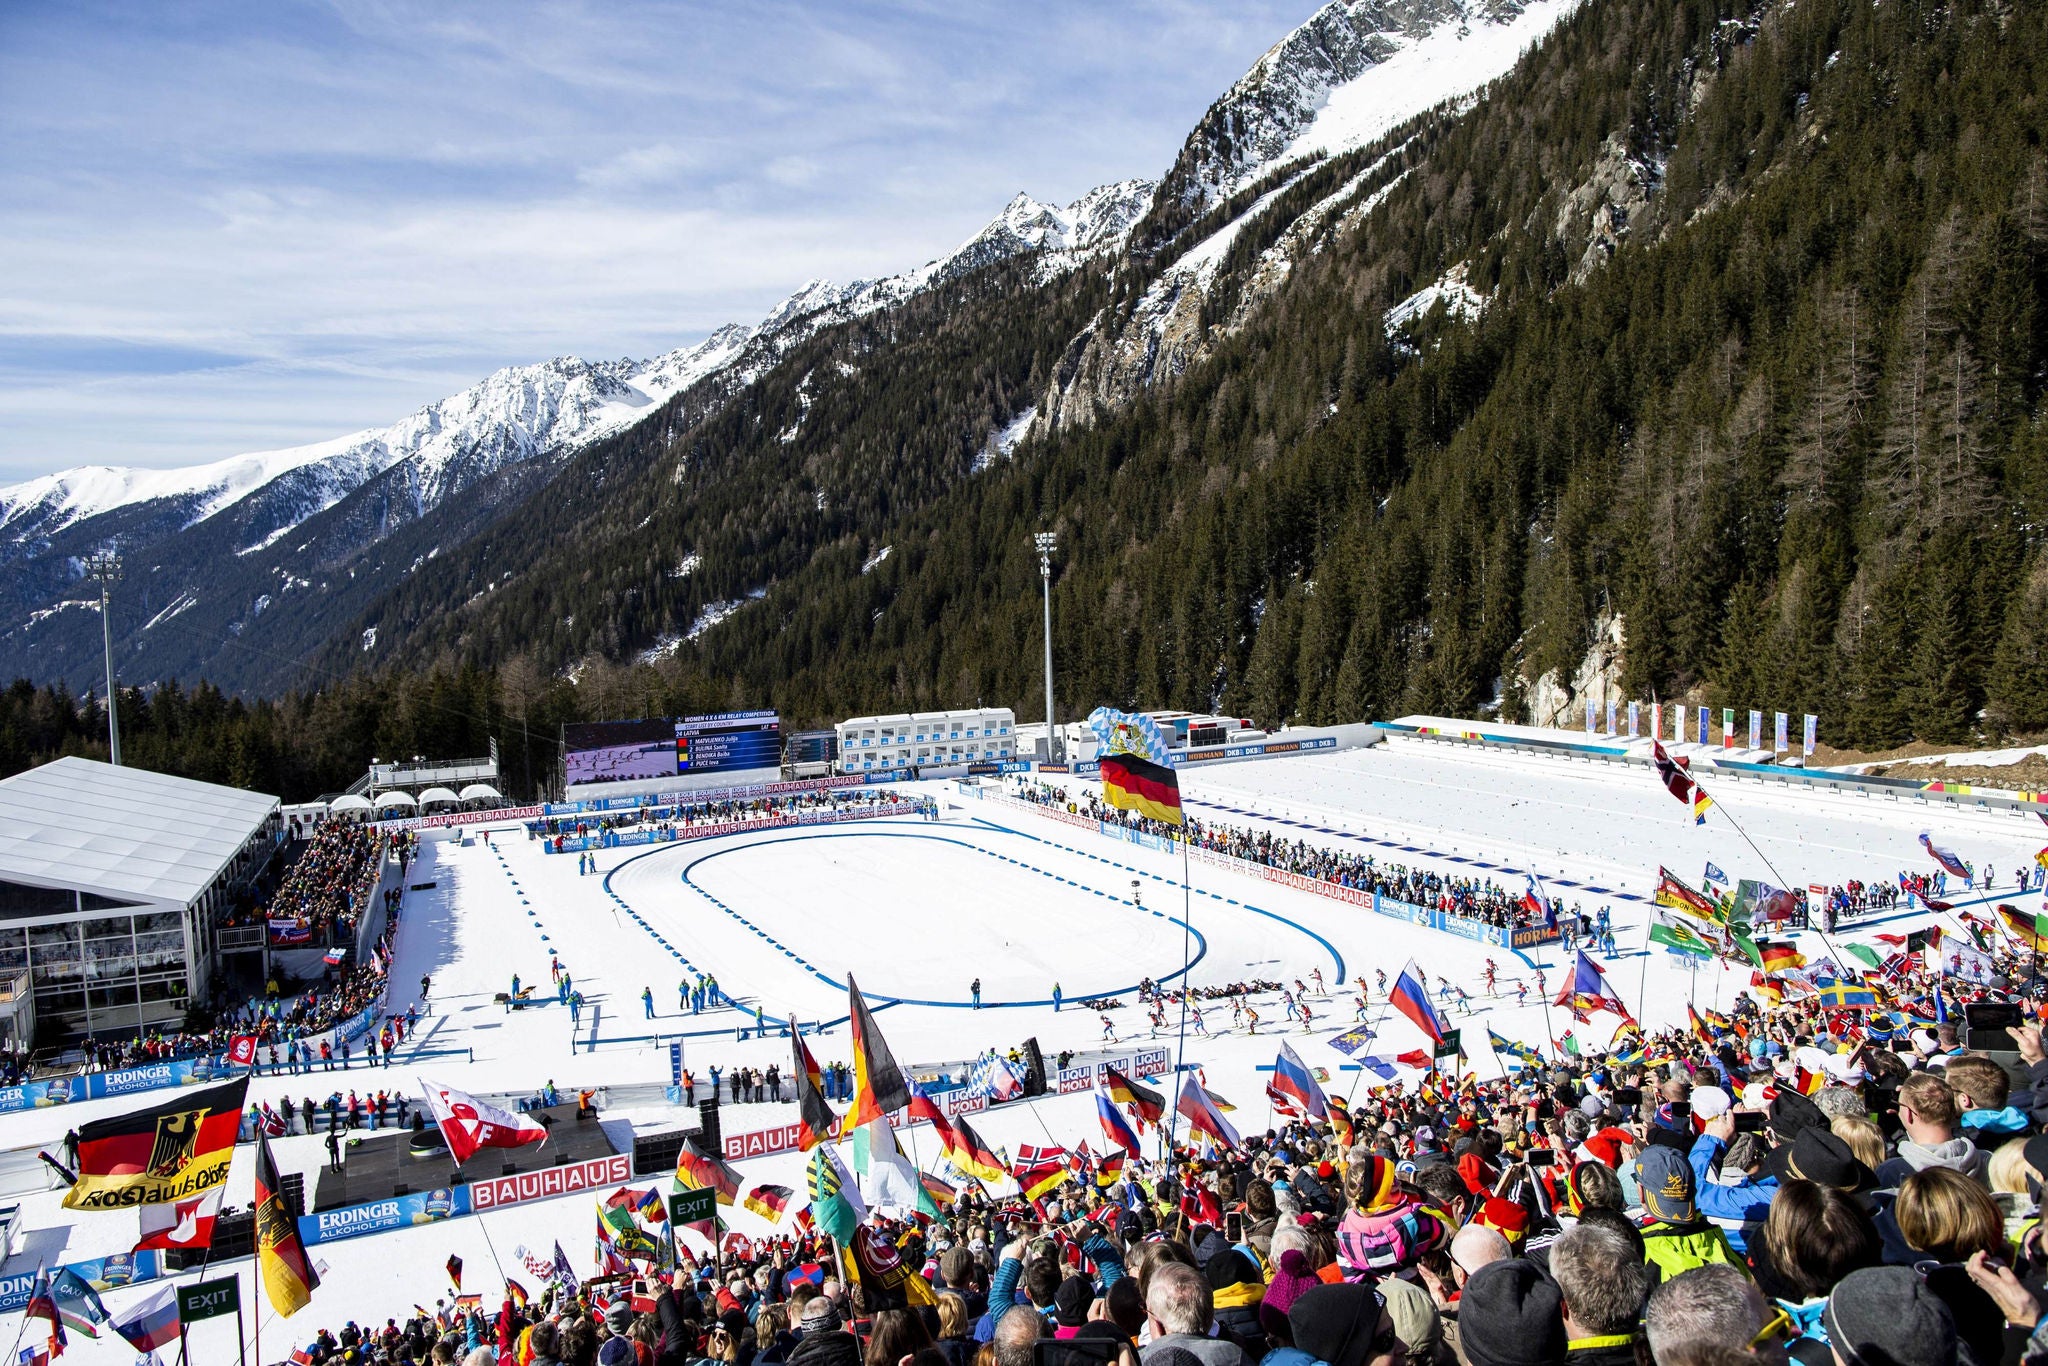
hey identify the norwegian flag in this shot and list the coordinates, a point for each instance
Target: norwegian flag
(1284, 1103)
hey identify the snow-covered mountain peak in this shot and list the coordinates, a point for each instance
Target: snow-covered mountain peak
(1353, 70)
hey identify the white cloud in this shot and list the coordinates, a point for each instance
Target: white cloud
(340, 213)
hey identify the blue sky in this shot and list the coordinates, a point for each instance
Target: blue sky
(237, 227)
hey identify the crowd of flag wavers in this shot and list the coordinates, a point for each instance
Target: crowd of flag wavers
(1846, 1169)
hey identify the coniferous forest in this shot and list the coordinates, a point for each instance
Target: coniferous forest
(1780, 411)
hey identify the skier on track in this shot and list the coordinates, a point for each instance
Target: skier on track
(1317, 977)
(1381, 973)
(1490, 971)
(1201, 1028)
(1361, 1007)
(1251, 1017)
(1108, 1030)
(1521, 992)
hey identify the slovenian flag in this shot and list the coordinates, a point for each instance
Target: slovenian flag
(1950, 861)
(1411, 998)
(1115, 1127)
(1291, 1078)
(152, 1322)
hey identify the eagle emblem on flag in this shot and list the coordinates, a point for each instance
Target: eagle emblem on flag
(177, 1139)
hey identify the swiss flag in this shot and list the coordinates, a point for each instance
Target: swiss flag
(469, 1124)
(242, 1050)
(186, 1225)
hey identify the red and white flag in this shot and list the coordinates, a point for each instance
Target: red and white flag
(242, 1050)
(185, 1225)
(469, 1124)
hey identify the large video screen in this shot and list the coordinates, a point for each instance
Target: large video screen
(625, 751)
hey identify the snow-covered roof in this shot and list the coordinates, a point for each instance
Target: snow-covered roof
(125, 833)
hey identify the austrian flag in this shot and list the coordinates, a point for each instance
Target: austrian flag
(470, 1124)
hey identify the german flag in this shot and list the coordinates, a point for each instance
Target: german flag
(769, 1201)
(1147, 1105)
(2027, 929)
(288, 1275)
(1133, 784)
(1776, 957)
(878, 1085)
(696, 1170)
(1698, 1026)
(178, 1148)
(1110, 1169)
(1043, 1179)
(816, 1116)
(940, 1193)
(1340, 1123)
(966, 1150)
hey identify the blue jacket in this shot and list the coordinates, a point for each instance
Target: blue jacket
(1746, 1202)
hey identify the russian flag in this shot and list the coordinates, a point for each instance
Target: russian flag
(1950, 861)
(151, 1322)
(1532, 900)
(1199, 1109)
(1115, 1127)
(1292, 1078)
(1411, 998)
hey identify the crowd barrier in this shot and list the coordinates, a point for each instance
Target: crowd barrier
(1464, 927)
(111, 1272)
(613, 839)
(692, 796)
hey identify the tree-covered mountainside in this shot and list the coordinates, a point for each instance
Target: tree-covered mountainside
(1784, 418)
(1739, 339)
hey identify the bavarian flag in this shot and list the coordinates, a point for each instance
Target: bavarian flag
(288, 1274)
(1130, 783)
(176, 1149)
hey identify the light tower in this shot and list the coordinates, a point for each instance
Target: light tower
(105, 566)
(1045, 541)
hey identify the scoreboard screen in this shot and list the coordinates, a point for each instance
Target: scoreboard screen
(729, 740)
(627, 751)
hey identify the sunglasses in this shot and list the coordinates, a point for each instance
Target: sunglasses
(1777, 1328)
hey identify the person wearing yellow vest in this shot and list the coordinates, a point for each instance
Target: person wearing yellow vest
(1676, 1237)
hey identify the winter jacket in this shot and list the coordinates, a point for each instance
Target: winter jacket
(1731, 1205)
(836, 1348)
(1209, 1351)
(1675, 1249)
(1237, 1317)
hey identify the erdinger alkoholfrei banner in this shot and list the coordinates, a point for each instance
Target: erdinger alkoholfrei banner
(179, 1147)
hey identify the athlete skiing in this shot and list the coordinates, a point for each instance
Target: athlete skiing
(1316, 976)
(1490, 971)
(1108, 1030)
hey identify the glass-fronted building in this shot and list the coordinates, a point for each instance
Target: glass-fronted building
(111, 881)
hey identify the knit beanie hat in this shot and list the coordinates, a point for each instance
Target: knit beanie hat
(1292, 1279)
(1886, 1316)
(1334, 1323)
(1505, 1217)
(1510, 1316)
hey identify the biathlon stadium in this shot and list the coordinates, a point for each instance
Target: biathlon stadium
(1304, 954)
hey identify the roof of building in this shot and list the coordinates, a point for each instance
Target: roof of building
(122, 832)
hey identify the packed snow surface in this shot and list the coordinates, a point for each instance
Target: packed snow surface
(915, 910)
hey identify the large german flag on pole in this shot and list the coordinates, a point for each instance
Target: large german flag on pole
(288, 1275)
(1133, 784)
(878, 1085)
(178, 1148)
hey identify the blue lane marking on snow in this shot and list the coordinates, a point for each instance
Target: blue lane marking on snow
(1335, 957)
(1202, 943)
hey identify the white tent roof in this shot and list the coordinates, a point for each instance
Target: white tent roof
(437, 794)
(352, 801)
(389, 800)
(477, 792)
(122, 832)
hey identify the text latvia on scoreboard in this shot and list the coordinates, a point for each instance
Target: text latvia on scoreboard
(728, 740)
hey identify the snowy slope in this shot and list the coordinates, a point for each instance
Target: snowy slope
(531, 411)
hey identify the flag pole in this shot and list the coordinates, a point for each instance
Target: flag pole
(11, 1351)
(1187, 929)
(257, 1332)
